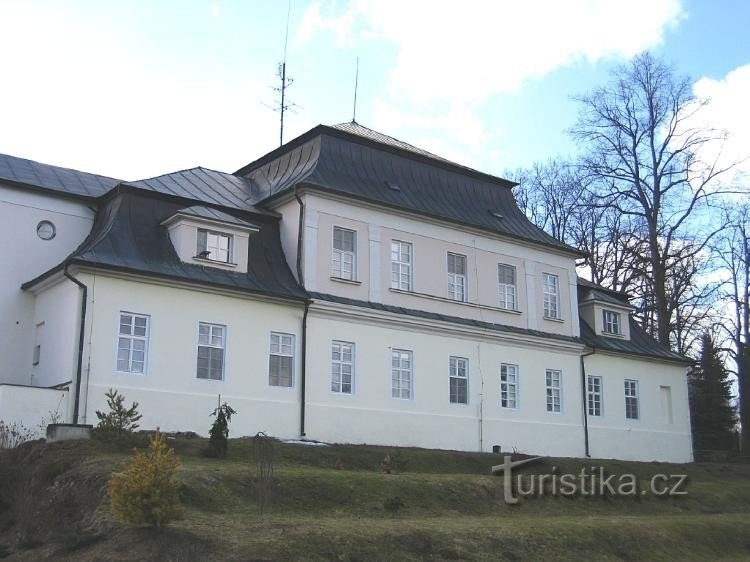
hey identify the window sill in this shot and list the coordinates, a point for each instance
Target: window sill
(558, 320)
(610, 335)
(215, 262)
(347, 281)
(446, 299)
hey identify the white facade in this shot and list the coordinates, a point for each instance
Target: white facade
(28, 256)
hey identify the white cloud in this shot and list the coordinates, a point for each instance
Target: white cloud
(453, 56)
(463, 52)
(729, 111)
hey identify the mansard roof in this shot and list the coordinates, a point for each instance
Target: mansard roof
(66, 181)
(362, 164)
(127, 236)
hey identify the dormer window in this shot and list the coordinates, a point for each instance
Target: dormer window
(215, 246)
(611, 322)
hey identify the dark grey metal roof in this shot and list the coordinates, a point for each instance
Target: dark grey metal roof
(28, 173)
(589, 291)
(127, 236)
(639, 344)
(441, 317)
(204, 212)
(357, 129)
(207, 186)
(340, 162)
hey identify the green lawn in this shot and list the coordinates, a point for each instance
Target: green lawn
(328, 503)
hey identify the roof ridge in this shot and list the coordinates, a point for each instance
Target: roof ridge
(417, 149)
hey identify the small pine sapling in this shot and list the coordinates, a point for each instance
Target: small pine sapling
(119, 418)
(218, 435)
(146, 492)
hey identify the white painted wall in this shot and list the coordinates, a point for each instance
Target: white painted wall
(32, 407)
(25, 257)
(431, 241)
(170, 395)
(652, 436)
(371, 415)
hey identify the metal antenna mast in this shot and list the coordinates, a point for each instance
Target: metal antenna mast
(356, 83)
(285, 82)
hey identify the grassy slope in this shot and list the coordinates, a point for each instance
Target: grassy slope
(53, 505)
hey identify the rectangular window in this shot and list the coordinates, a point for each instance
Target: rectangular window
(281, 360)
(344, 257)
(666, 404)
(631, 399)
(215, 246)
(506, 279)
(554, 390)
(594, 395)
(211, 346)
(132, 343)
(457, 277)
(459, 380)
(551, 296)
(342, 367)
(611, 322)
(401, 257)
(509, 386)
(402, 370)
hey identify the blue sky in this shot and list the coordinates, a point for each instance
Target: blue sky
(135, 89)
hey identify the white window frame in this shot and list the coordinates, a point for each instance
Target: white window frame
(401, 268)
(211, 345)
(506, 291)
(594, 395)
(339, 365)
(551, 296)
(631, 393)
(611, 322)
(455, 366)
(214, 248)
(340, 257)
(398, 374)
(131, 338)
(457, 282)
(509, 396)
(553, 391)
(276, 349)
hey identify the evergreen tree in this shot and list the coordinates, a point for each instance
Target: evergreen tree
(713, 416)
(146, 492)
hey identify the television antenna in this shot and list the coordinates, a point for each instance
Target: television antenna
(282, 104)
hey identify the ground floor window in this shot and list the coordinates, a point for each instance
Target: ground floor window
(459, 380)
(508, 386)
(594, 388)
(342, 367)
(402, 371)
(553, 379)
(211, 347)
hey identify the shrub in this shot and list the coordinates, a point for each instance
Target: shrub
(146, 492)
(119, 418)
(13, 434)
(393, 505)
(218, 435)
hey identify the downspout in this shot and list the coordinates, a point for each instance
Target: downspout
(301, 280)
(81, 339)
(585, 406)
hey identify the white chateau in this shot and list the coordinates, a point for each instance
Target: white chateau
(346, 287)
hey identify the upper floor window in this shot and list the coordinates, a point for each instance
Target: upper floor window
(402, 373)
(132, 343)
(594, 388)
(281, 360)
(457, 277)
(611, 322)
(631, 399)
(551, 296)
(401, 262)
(211, 346)
(458, 375)
(342, 367)
(344, 257)
(553, 383)
(506, 279)
(215, 246)
(508, 386)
